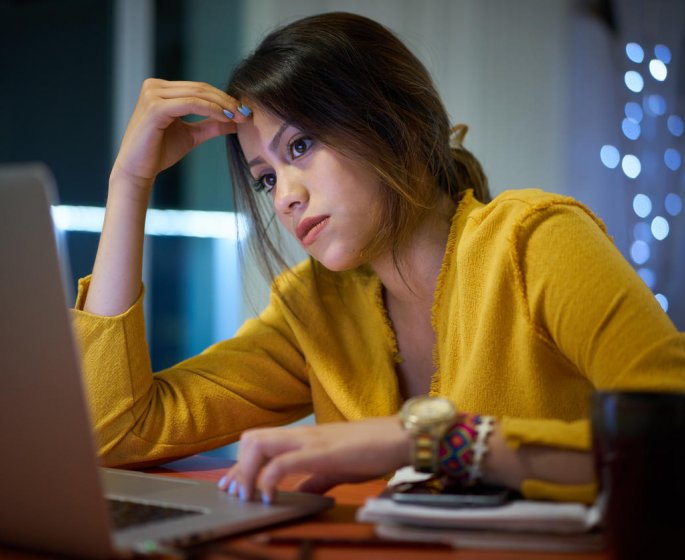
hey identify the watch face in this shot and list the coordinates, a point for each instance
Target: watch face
(428, 410)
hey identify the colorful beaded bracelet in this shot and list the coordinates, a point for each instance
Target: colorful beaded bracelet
(463, 447)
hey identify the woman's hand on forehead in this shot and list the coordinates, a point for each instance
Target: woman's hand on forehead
(158, 135)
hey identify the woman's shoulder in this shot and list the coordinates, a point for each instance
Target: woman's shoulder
(527, 208)
(527, 199)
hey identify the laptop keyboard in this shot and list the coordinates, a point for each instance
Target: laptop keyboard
(125, 513)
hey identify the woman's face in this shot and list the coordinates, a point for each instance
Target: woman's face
(328, 202)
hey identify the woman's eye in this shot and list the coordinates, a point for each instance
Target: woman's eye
(265, 183)
(300, 146)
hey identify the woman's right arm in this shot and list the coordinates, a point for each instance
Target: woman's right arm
(155, 139)
(257, 378)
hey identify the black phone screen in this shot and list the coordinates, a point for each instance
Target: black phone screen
(444, 493)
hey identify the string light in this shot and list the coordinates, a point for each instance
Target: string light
(634, 111)
(646, 115)
(660, 228)
(631, 166)
(675, 125)
(635, 52)
(673, 204)
(610, 156)
(634, 81)
(663, 53)
(672, 159)
(658, 70)
(642, 205)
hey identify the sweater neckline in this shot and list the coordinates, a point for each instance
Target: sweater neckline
(462, 211)
(456, 227)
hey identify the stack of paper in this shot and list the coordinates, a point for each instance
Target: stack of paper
(517, 525)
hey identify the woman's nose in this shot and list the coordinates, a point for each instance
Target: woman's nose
(291, 193)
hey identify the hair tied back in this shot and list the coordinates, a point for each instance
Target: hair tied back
(457, 135)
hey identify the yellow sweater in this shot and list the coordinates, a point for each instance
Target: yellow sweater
(533, 309)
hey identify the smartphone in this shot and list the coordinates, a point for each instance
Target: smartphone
(453, 496)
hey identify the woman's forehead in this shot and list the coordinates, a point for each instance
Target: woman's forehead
(262, 133)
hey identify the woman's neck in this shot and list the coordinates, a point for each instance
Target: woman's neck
(419, 261)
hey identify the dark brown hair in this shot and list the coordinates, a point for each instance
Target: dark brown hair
(352, 84)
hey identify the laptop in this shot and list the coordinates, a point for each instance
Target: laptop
(54, 496)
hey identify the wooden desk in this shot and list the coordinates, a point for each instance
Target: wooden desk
(338, 522)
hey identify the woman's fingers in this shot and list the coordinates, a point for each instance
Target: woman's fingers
(329, 454)
(158, 136)
(262, 447)
(192, 94)
(257, 447)
(306, 460)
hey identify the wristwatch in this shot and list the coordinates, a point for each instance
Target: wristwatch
(427, 419)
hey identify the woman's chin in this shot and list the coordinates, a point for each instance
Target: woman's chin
(338, 263)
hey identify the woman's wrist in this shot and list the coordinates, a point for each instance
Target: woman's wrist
(135, 190)
(464, 447)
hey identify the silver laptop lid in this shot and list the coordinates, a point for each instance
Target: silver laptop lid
(49, 482)
(51, 489)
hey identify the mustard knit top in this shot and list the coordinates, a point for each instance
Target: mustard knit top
(534, 308)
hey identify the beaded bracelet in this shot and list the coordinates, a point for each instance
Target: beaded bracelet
(463, 447)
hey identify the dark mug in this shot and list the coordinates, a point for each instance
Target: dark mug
(639, 452)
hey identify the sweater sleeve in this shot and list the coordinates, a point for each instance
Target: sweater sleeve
(256, 379)
(586, 303)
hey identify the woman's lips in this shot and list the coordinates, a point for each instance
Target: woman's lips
(309, 228)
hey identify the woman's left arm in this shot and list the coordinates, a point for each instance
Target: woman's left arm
(593, 308)
(331, 454)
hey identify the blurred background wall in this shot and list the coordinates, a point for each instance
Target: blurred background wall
(581, 97)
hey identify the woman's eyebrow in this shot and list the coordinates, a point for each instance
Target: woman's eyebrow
(273, 145)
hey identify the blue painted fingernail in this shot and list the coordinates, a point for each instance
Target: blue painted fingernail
(242, 493)
(228, 114)
(244, 110)
(222, 482)
(231, 487)
(266, 499)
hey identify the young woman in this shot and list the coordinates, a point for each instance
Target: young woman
(513, 310)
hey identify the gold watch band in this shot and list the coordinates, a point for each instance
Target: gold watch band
(426, 453)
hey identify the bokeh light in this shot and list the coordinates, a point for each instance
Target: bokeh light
(634, 81)
(642, 231)
(673, 204)
(658, 70)
(663, 53)
(634, 111)
(631, 166)
(631, 129)
(672, 159)
(642, 205)
(610, 156)
(639, 252)
(675, 125)
(655, 104)
(660, 228)
(648, 276)
(635, 52)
